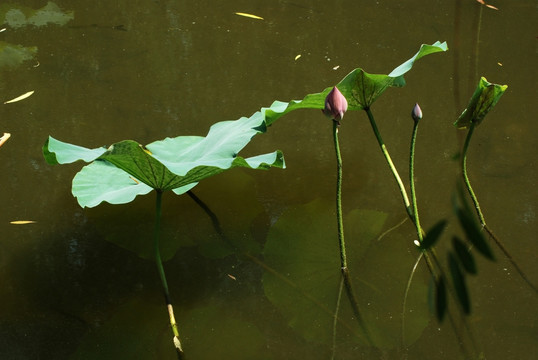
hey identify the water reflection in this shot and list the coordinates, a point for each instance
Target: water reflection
(17, 17)
(69, 292)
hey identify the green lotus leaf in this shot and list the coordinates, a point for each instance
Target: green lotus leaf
(219, 148)
(101, 181)
(484, 98)
(423, 51)
(360, 88)
(58, 152)
(176, 164)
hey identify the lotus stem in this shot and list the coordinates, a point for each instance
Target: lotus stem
(466, 178)
(158, 261)
(416, 219)
(479, 213)
(395, 173)
(340, 221)
(341, 241)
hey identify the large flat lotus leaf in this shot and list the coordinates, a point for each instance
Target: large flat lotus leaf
(132, 158)
(303, 245)
(484, 98)
(218, 149)
(135, 166)
(102, 181)
(360, 88)
(149, 167)
(261, 162)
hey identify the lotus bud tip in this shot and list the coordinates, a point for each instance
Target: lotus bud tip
(416, 114)
(335, 105)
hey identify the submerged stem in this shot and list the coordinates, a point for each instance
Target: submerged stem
(335, 320)
(162, 275)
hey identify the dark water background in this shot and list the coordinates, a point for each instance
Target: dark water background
(106, 71)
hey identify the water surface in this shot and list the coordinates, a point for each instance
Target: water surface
(149, 69)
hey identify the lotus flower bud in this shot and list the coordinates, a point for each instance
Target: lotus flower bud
(335, 105)
(416, 114)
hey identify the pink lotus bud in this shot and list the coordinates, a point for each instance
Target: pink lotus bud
(416, 114)
(335, 105)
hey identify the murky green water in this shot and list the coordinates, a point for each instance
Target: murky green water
(143, 70)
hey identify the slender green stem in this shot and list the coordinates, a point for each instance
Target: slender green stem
(416, 219)
(430, 257)
(481, 215)
(158, 261)
(343, 260)
(340, 221)
(403, 192)
(466, 178)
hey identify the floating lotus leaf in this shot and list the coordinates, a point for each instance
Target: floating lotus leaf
(176, 164)
(360, 88)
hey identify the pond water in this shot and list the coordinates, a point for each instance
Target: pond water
(73, 285)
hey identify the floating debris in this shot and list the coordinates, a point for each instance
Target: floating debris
(4, 138)
(297, 57)
(22, 222)
(249, 15)
(19, 98)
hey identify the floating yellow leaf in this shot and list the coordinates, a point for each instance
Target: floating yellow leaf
(19, 98)
(298, 56)
(336, 67)
(500, 64)
(4, 138)
(22, 222)
(249, 15)
(487, 5)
